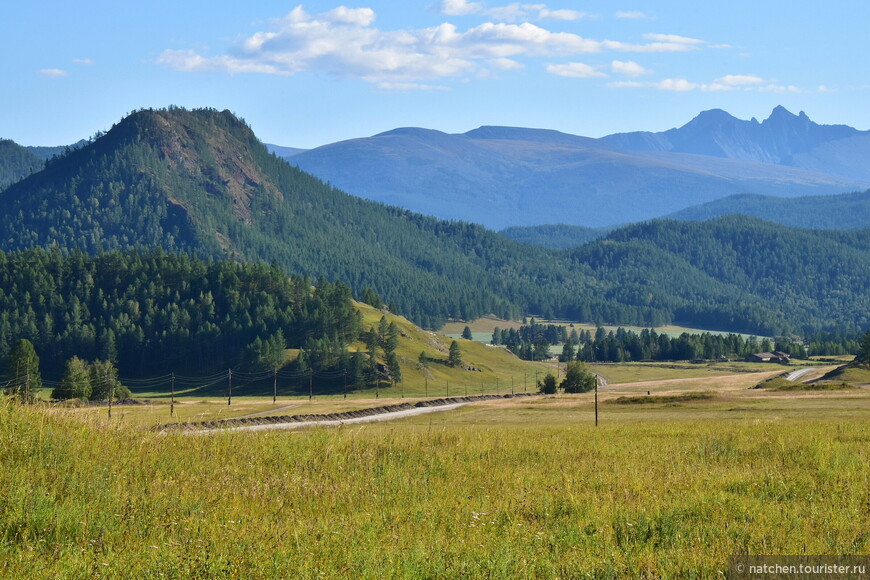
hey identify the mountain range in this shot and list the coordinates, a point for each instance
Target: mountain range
(507, 176)
(200, 182)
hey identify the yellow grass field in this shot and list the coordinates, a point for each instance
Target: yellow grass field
(510, 488)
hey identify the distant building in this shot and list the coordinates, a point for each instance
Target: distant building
(771, 357)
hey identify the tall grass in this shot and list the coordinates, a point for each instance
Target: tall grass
(633, 499)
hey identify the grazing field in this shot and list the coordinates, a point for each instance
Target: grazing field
(667, 486)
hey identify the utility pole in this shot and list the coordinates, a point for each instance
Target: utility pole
(345, 383)
(512, 386)
(111, 391)
(275, 386)
(310, 384)
(172, 400)
(596, 401)
(448, 388)
(230, 392)
(427, 385)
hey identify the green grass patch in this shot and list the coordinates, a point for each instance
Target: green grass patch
(781, 384)
(651, 399)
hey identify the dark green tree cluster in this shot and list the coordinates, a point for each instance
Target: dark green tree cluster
(531, 341)
(152, 313)
(22, 370)
(626, 345)
(96, 381)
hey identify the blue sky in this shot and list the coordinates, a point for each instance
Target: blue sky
(313, 73)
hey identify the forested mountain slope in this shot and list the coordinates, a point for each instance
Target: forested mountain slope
(153, 312)
(847, 211)
(817, 277)
(200, 182)
(16, 163)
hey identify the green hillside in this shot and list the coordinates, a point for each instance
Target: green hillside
(554, 236)
(16, 163)
(764, 274)
(200, 182)
(847, 211)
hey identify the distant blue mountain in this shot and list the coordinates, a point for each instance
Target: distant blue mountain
(508, 176)
(783, 138)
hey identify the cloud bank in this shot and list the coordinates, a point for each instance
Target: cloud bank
(345, 42)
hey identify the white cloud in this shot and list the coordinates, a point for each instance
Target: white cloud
(561, 14)
(739, 80)
(404, 87)
(345, 42)
(505, 64)
(628, 68)
(774, 88)
(82, 61)
(357, 16)
(628, 14)
(458, 7)
(577, 70)
(725, 83)
(513, 12)
(53, 72)
(672, 39)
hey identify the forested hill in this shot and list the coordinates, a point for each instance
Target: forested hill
(16, 163)
(201, 182)
(153, 312)
(817, 277)
(554, 236)
(847, 211)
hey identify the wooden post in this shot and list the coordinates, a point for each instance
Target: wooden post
(596, 401)
(310, 384)
(111, 392)
(512, 386)
(448, 388)
(345, 383)
(275, 385)
(230, 393)
(172, 399)
(427, 385)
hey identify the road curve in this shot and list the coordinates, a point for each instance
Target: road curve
(333, 423)
(795, 375)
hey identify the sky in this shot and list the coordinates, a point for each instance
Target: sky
(309, 74)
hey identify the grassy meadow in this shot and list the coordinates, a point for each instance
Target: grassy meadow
(668, 486)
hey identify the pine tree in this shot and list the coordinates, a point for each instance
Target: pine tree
(454, 358)
(23, 367)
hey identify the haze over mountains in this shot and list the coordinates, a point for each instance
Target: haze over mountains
(504, 176)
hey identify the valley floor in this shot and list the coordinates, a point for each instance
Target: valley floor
(669, 484)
